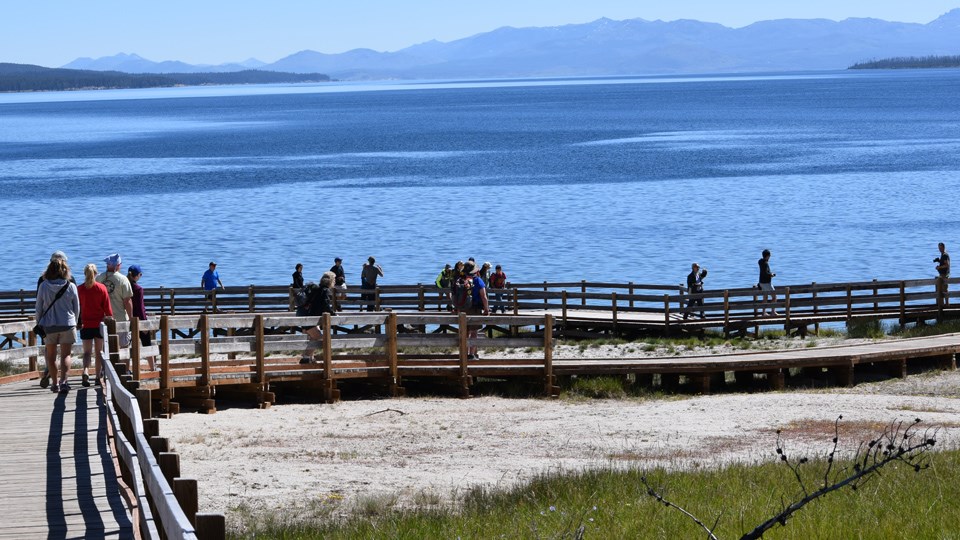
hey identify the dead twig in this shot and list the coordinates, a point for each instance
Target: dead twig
(401, 413)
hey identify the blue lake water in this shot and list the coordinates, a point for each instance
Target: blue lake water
(844, 176)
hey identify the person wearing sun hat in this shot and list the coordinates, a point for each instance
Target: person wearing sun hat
(121, 293)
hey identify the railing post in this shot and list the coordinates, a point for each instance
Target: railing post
(876, 305)
(32, 343)
(251, 300)
(903, 303)
(422, 300)
(631, 293)
(113, 340)
(516, 301)
(327, 348)
(548, 354)
(849, 303)
(464, 350)
(816, 307)
(204, 331)
(211, 526)
(726, 309)
(376, 299)
(613, 304)
(135, 347)
(583, 291)
(292, 300)
(546, 303)
(185, 490)
(165, 389)
(213, 300)
(163, 308)
(564, 309)
(173, 301)
(939, 285)
(786, 310)
(666, 313)
(392, 353)
(260, 344)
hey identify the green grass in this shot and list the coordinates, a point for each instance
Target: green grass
(608, 504)
(9, 368)
(866, 329)
(946, 327)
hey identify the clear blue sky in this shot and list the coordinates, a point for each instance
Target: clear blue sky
(55, 32)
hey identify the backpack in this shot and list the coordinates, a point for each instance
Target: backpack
(303, 297)
(462, 292)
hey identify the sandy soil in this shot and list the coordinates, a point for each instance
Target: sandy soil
(422, 451)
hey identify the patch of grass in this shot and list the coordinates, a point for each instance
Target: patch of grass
(945, 327)
(614, 504)
(9, 368)
(866, 329)
(599, 387)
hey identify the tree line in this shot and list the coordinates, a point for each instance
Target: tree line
(910, 62)
(29, 78)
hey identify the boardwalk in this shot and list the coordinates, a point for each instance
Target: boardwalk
(57, 478)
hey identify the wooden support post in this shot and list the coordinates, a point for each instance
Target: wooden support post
(546, 301)
(876, 292)
(898, 368)
(421, 299)
(204, 331)
(947, 362)
(113, 341)
(843, 374)
(292, 300)
(210, 527)
(376, 299)
(564, 310)
(259, 342)
(516, 301)
(701, 382)
(583, 291)
(213, 300)
(158, 445)
(776, 379)
(145, 403)
(165, 388)
(549, 387)
(151, 427)
(464, 351)
(185, 490)
(169, 463)
(631, 290)
(173, 302)
(251, 300)
(392, 353)
(939, 285)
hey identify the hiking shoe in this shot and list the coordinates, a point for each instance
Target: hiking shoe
(64, 387)
(45, 379)
(305, 360)
(54, 388)
(86, 380)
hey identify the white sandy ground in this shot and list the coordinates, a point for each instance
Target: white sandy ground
(421, 451)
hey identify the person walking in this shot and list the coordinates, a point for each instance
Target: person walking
(94, 308)
(766, 281)
(134, 273)
(368, 281)
(943, 273)
(121, 294)
(443, 281)
(297, 277)
(58, 312)
(479, 304)
(498, 281)
(695, 286)
(210, 281)
(321, 302)
(45, 378)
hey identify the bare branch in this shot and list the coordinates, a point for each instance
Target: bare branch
(653, 493)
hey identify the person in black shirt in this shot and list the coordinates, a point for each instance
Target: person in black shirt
(340, 277)
(943, 269)
(695, 286)
(766, 281)
(298, 277)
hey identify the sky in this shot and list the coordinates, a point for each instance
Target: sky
(54, 32)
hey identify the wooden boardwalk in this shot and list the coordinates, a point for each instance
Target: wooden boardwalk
(57, 477)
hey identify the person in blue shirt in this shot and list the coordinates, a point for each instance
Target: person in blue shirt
(211, 278)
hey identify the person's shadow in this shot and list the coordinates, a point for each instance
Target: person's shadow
(94, 481)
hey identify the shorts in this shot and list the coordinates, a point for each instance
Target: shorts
(66, 337)
(145, 339)
(767, 287)
(90, 333)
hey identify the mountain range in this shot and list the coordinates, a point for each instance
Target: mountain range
(609, 47)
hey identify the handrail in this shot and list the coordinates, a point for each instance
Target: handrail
(149, 482)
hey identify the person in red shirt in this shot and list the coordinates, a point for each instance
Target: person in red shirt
(94, 307)
(498, 280)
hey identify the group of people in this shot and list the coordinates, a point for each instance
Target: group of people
(63, 307)
(765, 283)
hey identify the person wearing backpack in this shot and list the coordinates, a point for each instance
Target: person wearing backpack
(470, 297)
(320, 301)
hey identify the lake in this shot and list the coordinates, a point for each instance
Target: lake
(842, 175)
